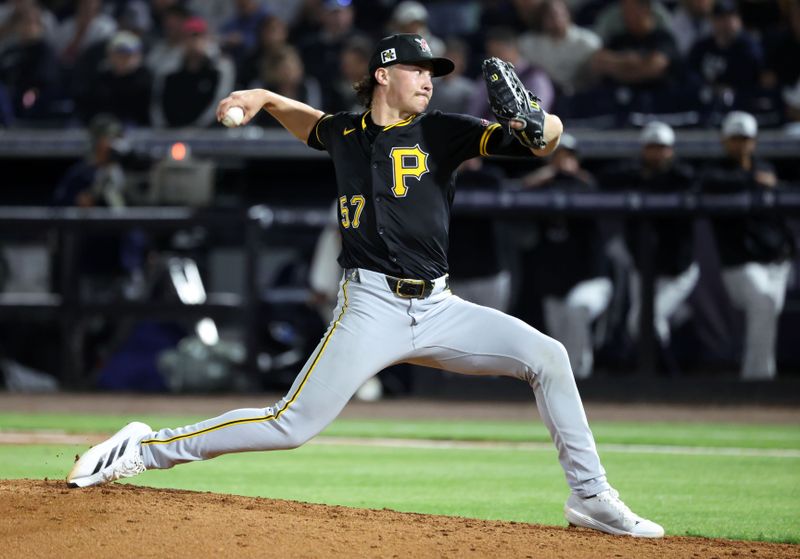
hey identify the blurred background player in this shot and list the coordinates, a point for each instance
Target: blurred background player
(576, 296)
(107, 259)
(671, 244)
(754, 249)
(479, 250)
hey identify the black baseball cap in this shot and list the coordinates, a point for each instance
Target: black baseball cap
(407, 48)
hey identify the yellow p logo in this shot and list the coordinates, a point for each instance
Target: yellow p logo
(407, 163)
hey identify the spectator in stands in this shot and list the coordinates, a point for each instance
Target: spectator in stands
(188, 96)
(158, 8)
(239, 35)
(210, 10)
(519, 15)
(223, 10)
(613, 20)
(82, 75)
(727, 65)
(561, 48)
(762, 17)
(98, 180)
(353, 66)
(754, 250)
(791, 103)
(579, 293)
(121, 85)
(691, 22)
(273, 35)
(166, 52)
(135, 16)
(287, 10)
(502, 43)
(783, 54)
(412, 17)
(639, 63)
(453, 91)
(6, 108)
(29, 67)
(87, 26)
(457, 18)
(321, 51)
(13, 10)
(282, 71)
(669, 243)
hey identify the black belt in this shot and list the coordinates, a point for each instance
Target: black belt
(412, 288)
(404, 287)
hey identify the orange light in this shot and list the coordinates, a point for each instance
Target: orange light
(178, 151)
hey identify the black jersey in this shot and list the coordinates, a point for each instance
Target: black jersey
(673, 246)
(746, 238)
(396, 185)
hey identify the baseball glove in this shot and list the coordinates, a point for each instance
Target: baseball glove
(510, 100)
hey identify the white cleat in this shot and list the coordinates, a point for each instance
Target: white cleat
(118, 457)
(607, 513)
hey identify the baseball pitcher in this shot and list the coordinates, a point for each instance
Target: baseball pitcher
(395, 173)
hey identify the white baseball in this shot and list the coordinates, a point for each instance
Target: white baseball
(233, 117)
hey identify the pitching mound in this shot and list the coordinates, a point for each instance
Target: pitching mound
(45, 519)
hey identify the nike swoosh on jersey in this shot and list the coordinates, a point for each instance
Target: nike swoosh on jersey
(347, 131)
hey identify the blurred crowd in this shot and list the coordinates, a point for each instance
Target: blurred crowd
(609, 63)
(109, 66)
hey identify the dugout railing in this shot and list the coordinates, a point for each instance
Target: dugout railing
(66, 306)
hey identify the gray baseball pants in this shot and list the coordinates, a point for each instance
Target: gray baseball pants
(670, 293)
(569, 319)
(374, 328)
(760, 291)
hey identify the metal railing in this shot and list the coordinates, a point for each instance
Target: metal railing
(67, 307)
(266, 143)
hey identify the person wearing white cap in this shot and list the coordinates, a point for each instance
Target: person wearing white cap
(412, 17)
(120, 84)
(754, 250)
(671, 245)
(577, 296)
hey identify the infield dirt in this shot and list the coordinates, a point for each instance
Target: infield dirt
(46, 519)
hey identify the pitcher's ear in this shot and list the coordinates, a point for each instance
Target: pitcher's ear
(382, 76)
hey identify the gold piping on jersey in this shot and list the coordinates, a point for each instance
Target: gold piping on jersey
(277, 414)
(400, 123)
(485, 138)
(316, 127)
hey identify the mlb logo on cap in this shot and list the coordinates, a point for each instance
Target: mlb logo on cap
(388, 56)
(423, 45)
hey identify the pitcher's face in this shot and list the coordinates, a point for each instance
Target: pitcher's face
(410, 86)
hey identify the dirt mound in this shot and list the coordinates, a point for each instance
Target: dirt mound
(45, 519)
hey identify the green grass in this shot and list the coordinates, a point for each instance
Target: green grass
(740, 497)
(680, 434)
